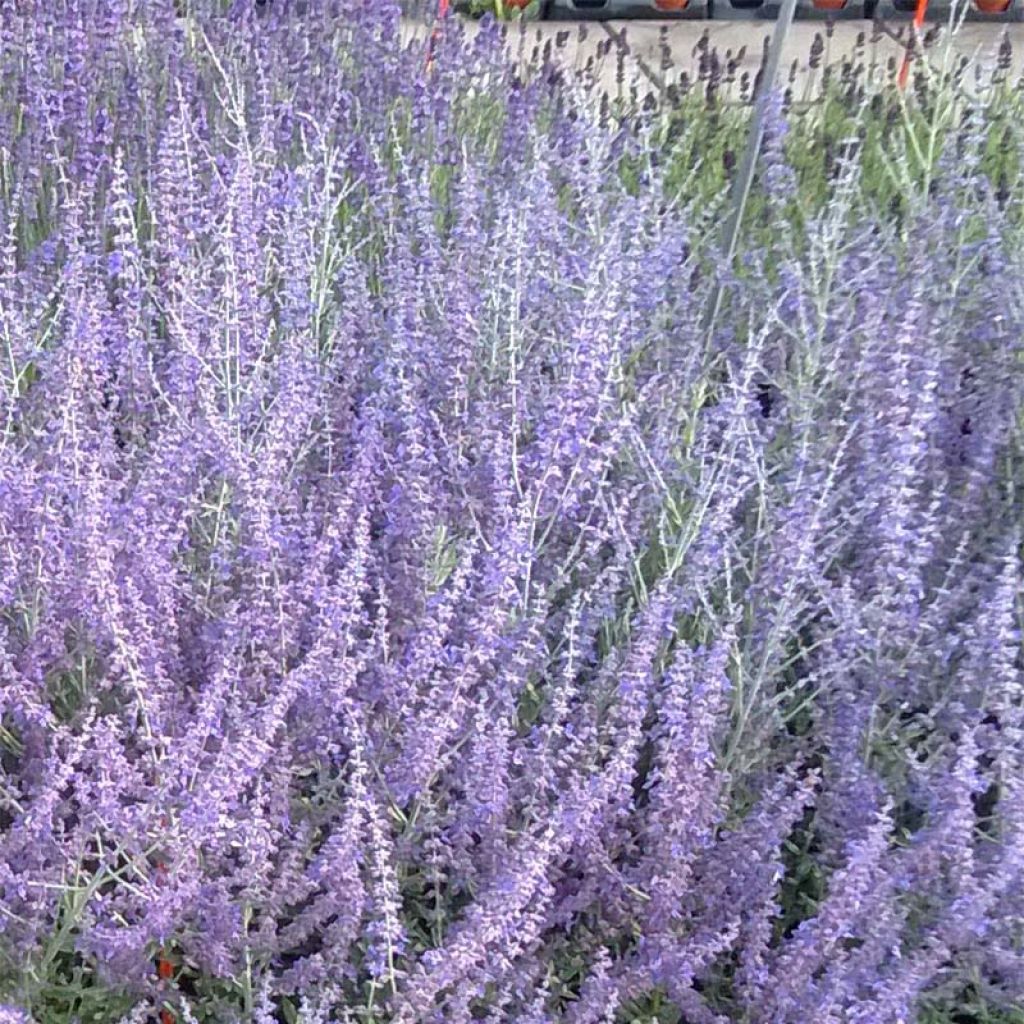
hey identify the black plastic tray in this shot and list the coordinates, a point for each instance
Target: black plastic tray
(613, 10)
(768, 10)
(938, 11)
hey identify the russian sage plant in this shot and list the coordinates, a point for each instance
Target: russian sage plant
(413, 611)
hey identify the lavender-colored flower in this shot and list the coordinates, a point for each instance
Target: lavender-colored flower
(410, 611)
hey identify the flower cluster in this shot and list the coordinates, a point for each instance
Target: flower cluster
(412, 609)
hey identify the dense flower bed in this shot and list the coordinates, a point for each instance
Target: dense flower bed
(415, 608)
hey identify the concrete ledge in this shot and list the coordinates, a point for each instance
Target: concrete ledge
(645, 48)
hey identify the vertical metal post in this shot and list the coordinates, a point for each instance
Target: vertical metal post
(745, 177)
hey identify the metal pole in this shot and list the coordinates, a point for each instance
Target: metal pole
(745, 177)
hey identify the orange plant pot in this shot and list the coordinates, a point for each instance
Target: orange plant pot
(671, 5)
(992, 6)
(829, 5)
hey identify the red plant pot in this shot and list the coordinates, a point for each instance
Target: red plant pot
(992, 6)
(671, 5)
(829, 5)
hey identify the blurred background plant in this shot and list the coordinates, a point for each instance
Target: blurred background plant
(503, 10)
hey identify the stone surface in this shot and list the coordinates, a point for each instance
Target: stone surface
(644, 42)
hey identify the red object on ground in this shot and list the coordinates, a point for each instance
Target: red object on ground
(830, 5)
(442, 12)
(919, 13)
(992, 6)
(671, 5)
(164, 967)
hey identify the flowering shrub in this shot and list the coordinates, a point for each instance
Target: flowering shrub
(413, 610)
(506, 10)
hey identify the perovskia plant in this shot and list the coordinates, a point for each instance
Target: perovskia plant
(409, 611)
